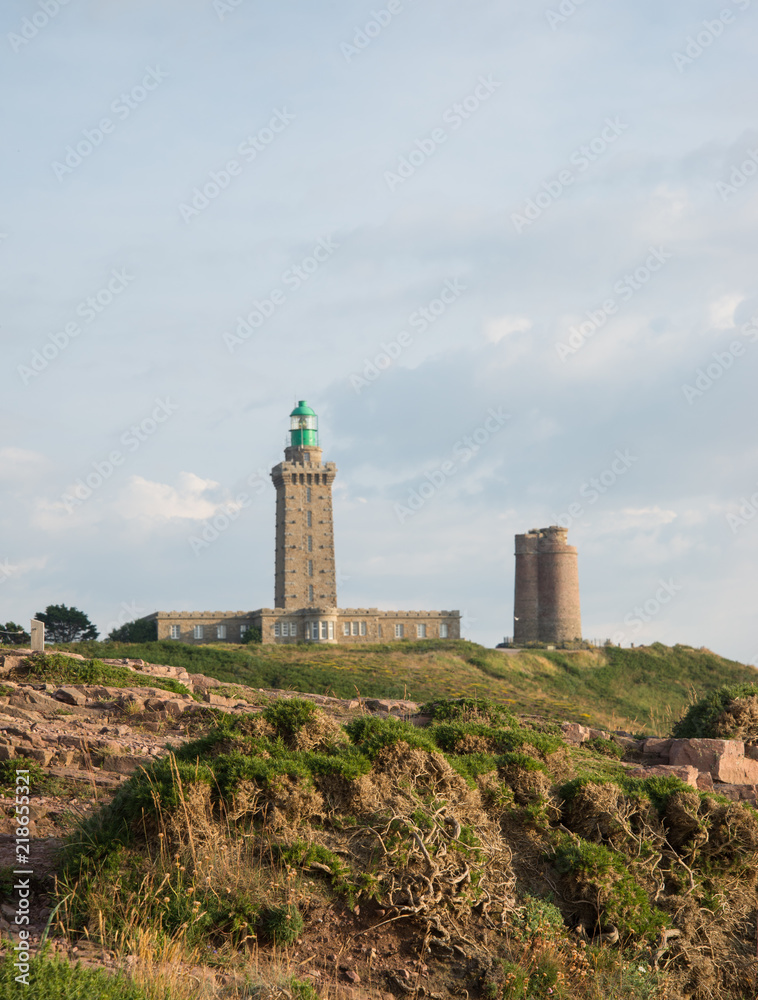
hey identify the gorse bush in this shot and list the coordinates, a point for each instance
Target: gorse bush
(711, 718)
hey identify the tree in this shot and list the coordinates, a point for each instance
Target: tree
(140, 630)
(253, 634)
(12, 634)
(64, 624)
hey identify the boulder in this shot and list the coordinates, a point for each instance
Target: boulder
(705, 754)
(656, 747)
(70, 696)
(736, 770)
(573, 732)
(685, 773)
(42, 757)
(124, 764)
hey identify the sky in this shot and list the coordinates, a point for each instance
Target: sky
(506, 250)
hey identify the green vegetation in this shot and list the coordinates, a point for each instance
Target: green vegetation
(237, 839)
(61, 669)
(730, 712)
(53, 979)
(641, 689)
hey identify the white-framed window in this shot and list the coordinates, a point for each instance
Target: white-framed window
(355, 628)
(331, 630)
(277, 629)
(243, 629)
(221, 631)
(310, 542)
(399, 630)
(421, 631)
(346, 628)
(310, 593)
(293, 628)
(176, 631)
(324, 630)
(309, 518)
(363, 628)
(443, 630)
(198, 632)
(308, 631)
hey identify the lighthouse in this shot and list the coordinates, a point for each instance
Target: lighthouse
(304, 575)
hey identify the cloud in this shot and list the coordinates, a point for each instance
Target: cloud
(19, 466)
(191, 500)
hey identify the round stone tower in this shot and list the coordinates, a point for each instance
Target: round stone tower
(559, 613)
(526, 598)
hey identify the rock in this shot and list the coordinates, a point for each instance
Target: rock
(12, 712)
(751, 751)
(705, 782)
(627, 742)
(352, 976)
(655, 747)
(392, 706)
(685, 773)
(7, 752)
(573, 732)
(70, 696)
(42, 757)
(736, 770)
(705, 754)
(599, 734)
(737, 792)
(125, 764)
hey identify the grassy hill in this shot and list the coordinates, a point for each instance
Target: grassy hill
(642, 689)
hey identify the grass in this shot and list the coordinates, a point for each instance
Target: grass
(642, 689)
(53, 979)
(61, 669)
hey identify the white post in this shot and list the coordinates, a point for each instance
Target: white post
(38, 636)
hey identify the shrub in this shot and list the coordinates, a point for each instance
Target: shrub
(701, 720)
(371, 735)
(281, 924)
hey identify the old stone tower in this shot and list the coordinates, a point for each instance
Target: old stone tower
(546, 602)
(304, 566)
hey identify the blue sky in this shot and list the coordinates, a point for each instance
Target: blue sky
(526, 226)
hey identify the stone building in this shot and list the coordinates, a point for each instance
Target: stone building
(546, 600)
(305, 584)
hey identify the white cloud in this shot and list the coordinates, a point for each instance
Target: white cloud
(722, 311)
(496, 329)
(190, 500)
(18, 465)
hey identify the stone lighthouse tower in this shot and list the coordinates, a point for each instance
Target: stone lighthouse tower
(305, 569)
(546, 602)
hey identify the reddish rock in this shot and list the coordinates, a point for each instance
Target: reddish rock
(705, 782)
(573, 732)
(125, 764)
(688, 775)
(599, 734)
(751, 751)
(70, 696)
(655, 747)
(736, 770)
(705, 755)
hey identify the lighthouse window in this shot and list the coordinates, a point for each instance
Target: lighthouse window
(310, 567)
(310, 594)
(310, 541)
(309, 518)
(307, 494)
